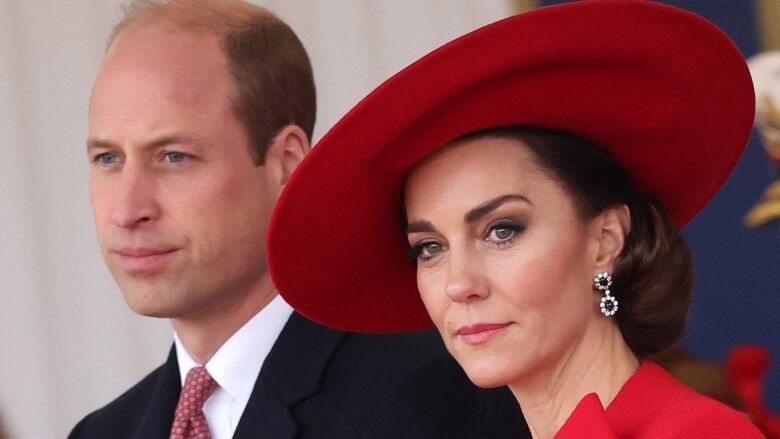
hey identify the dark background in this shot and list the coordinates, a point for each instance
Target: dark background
(738, 269)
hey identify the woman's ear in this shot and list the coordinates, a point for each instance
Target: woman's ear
(284, 154)
(610, 229)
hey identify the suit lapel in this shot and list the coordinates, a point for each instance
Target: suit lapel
(156, 417)
(291, 372)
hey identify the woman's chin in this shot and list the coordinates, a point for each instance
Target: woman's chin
(488, 375)
(486, 382)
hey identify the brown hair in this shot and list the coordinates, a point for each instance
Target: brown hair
(267, 61)
(653, 278)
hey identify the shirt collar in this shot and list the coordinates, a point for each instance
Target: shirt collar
(238, 361)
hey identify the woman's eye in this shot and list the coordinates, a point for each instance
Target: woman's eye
(427, 250)
(503, 232)
(175, 157)
(431, 249)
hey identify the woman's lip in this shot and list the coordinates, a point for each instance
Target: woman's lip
(481, 332)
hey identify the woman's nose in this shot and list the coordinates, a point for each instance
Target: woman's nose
(465, 278)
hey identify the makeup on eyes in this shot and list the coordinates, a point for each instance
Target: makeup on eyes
(501, 220)
(503, 231)
(426, 250)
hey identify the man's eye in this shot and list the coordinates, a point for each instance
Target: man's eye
(175, 157)
(106, 158)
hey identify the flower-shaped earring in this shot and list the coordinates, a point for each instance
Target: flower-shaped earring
(602, 282)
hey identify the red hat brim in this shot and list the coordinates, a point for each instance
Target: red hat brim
(664, 90)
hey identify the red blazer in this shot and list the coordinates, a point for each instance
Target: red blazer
(653, 404)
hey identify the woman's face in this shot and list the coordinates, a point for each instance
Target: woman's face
(504, 264)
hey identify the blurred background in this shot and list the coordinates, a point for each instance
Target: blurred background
(69, 344)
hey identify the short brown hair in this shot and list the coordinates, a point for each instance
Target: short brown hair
(268, 63)
(653, 278)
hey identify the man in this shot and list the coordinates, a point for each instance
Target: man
(200, 112)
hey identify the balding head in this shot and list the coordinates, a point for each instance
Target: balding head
(274, 85)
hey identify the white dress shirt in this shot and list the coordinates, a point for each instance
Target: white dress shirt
(235, 366)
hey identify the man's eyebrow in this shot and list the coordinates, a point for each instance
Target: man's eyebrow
(97, 143)
(419, 227)
(156, 142)
(172, 139)
(491, 205)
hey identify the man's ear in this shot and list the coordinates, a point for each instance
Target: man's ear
(284, 154)
(610, 229)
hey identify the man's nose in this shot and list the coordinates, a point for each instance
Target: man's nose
(465, 278)
(135, 203)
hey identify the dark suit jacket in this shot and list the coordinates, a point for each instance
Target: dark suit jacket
(322, 383)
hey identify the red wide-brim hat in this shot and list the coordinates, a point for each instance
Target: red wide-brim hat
(663, 90)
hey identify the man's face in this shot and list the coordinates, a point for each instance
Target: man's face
(180, 208)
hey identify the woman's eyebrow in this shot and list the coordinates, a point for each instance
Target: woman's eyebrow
(491, 205)
(420, 227)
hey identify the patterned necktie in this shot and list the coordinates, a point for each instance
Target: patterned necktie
(189, 421)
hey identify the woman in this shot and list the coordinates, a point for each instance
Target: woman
(537, 170)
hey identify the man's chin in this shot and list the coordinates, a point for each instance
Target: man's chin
(153, 302)
(152, 310)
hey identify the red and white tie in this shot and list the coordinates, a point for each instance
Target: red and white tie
(189, 421)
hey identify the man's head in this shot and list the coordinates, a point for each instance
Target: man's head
(200, 112)
(270, 69)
